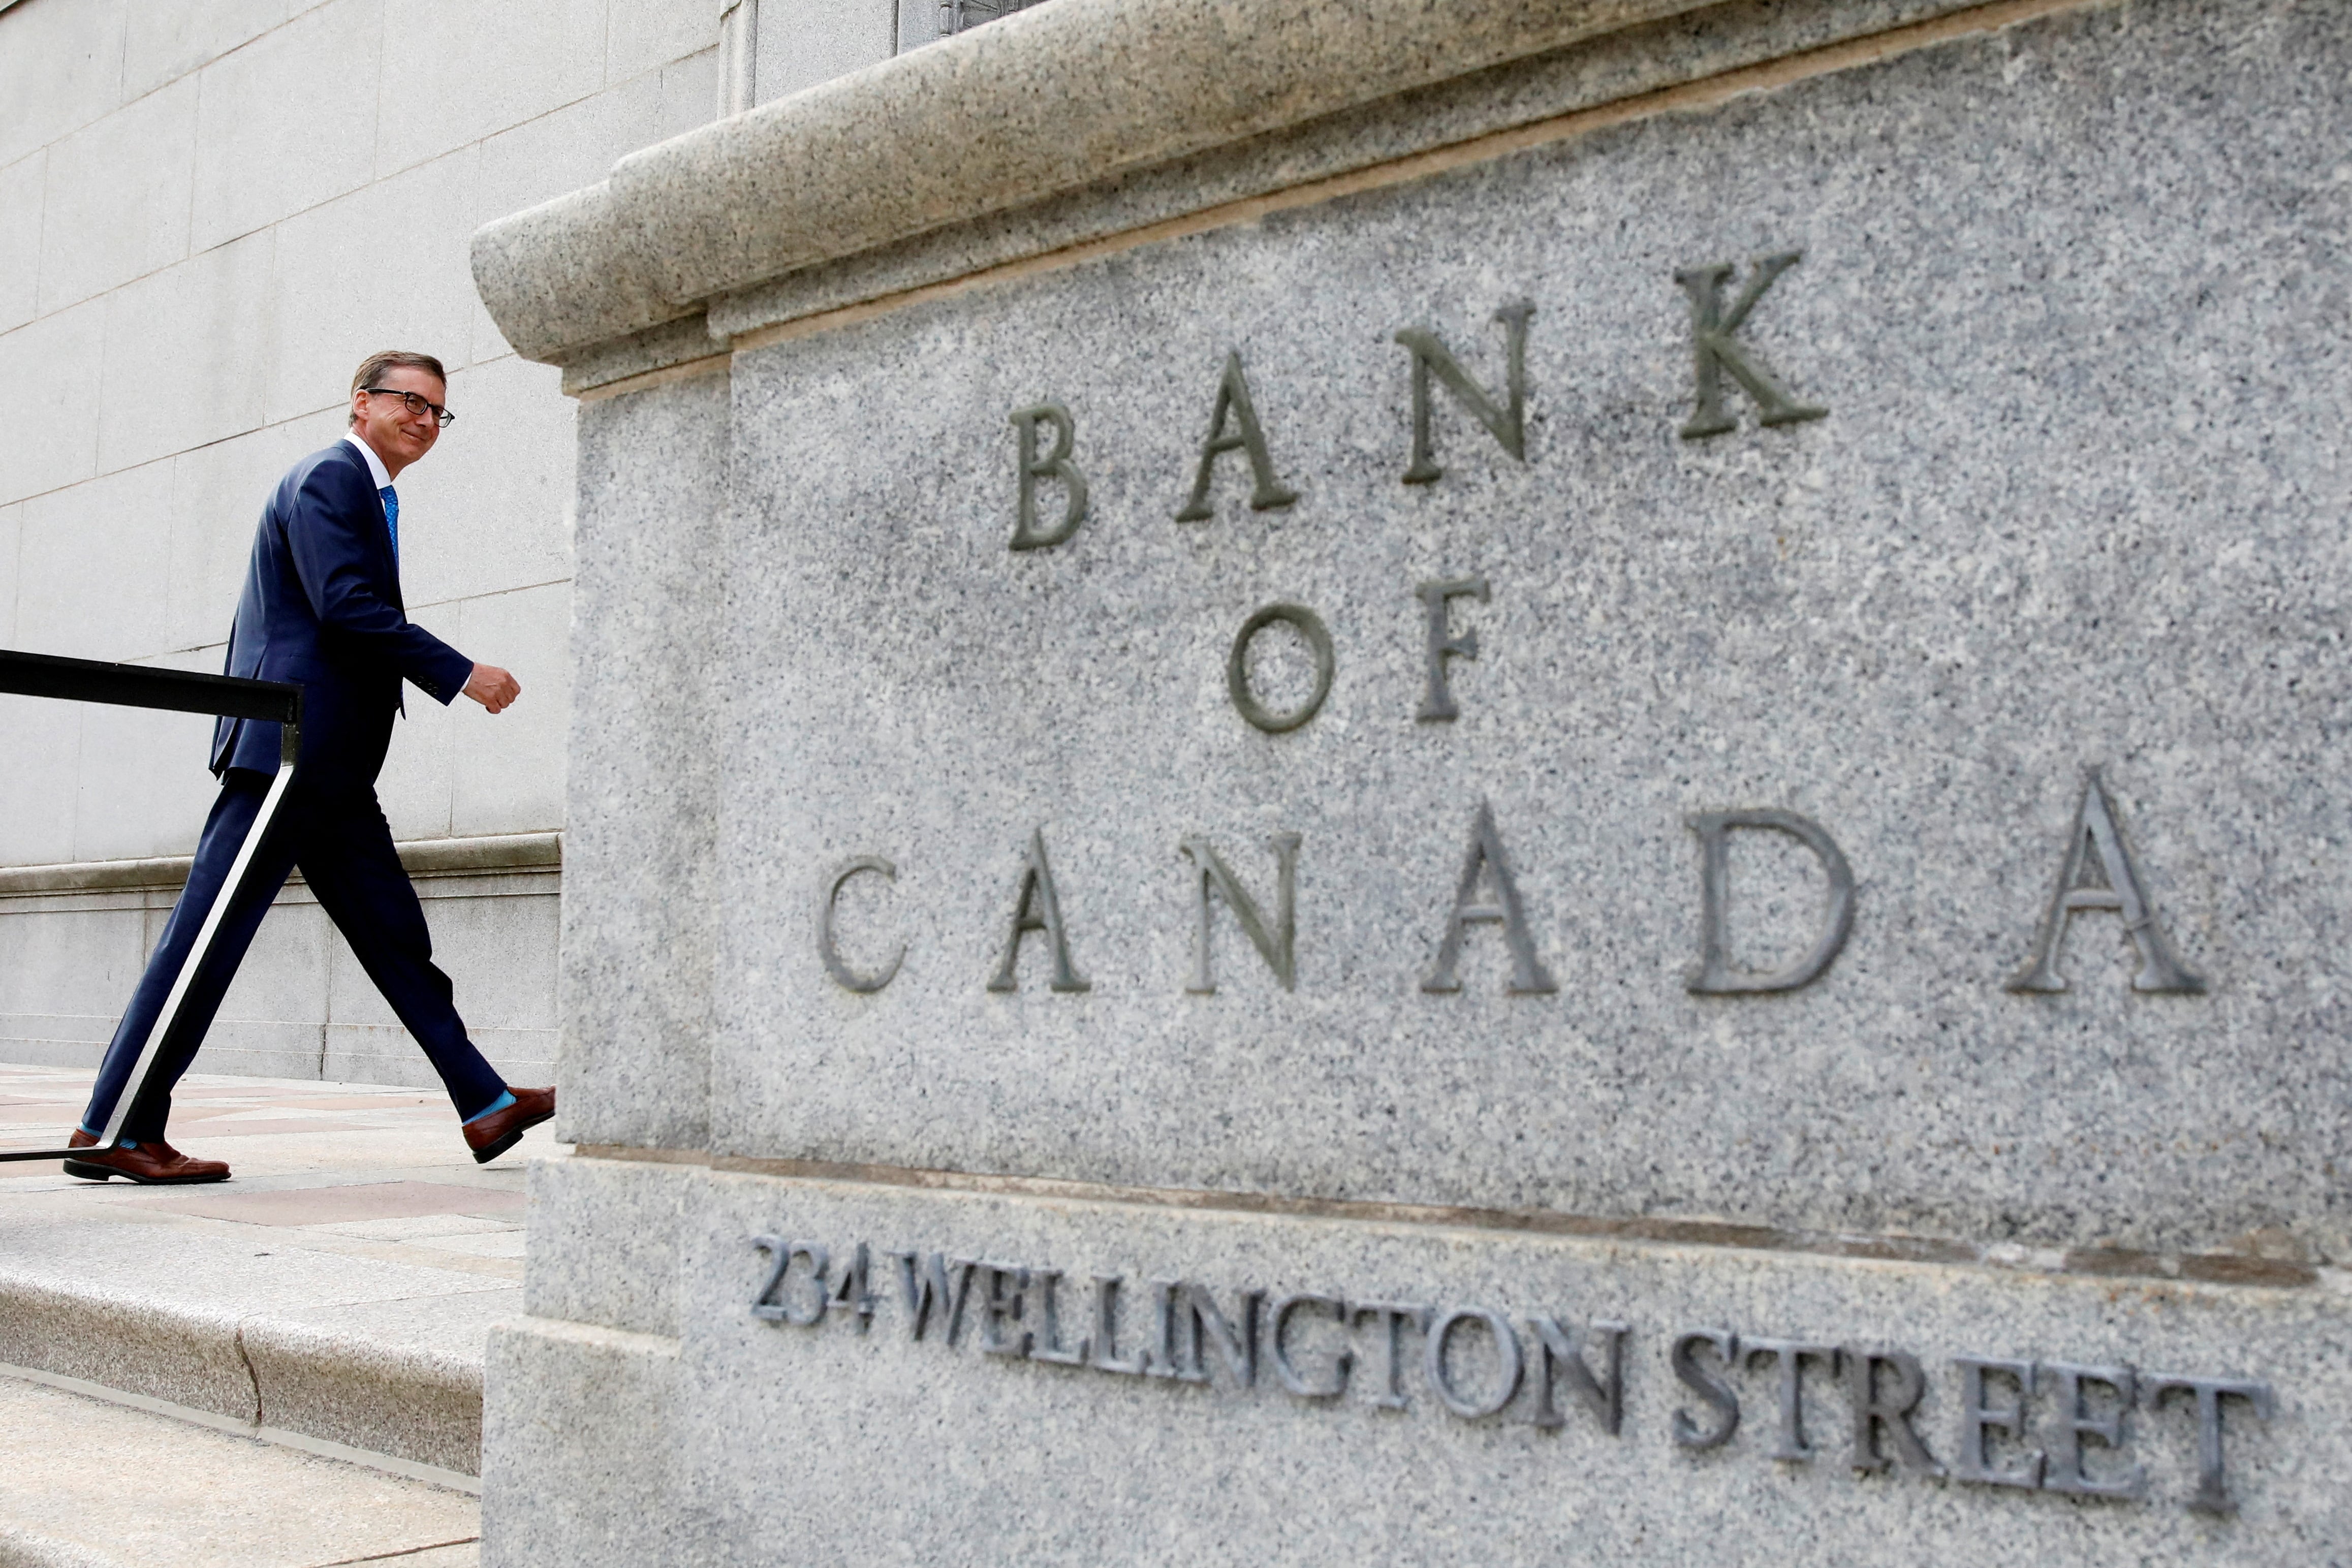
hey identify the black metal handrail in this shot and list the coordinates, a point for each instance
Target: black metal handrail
(176, 692)
(136, 686)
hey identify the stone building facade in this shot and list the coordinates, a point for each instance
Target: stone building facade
(1526, 781)
(209, 212)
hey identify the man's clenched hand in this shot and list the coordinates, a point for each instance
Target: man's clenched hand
(492, 688)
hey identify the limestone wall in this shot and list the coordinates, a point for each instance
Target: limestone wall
(208, 214)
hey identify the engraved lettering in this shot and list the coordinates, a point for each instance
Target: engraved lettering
(1045, 1343)
(927, 1292)
(1234, 1342)
(764, 1305)
(1506, 423)
(1018, 1309)
(1528, 975)
(1166, 1357)
(1980, 1416)
(1714, 349)
(1038, 908)
(1713, 975)
(1884, 1388)
(1715, 1391)
(1105, 1335)
(820, 1295)
(853, 1294)
(2212, 1487)
(1002, 1287)
(842, 975)
(1789, 1442)
(1437, 702)
(2098, 873)
(1559, 1349)
(1392, 1316)
(1285, 1370)
(1276, 944)
(1266, 491)
(1054, 465)
(1509, 1368)
(2064, 1469)
(1319, 644)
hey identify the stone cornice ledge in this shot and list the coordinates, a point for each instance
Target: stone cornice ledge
(1042, 102)
(2262, 1259)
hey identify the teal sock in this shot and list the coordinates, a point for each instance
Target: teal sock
(505, 1098)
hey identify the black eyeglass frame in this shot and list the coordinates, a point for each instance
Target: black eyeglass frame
(441, 415)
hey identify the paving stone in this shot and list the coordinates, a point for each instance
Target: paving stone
(354, 1201)
(94, 1485)
(340, 1287)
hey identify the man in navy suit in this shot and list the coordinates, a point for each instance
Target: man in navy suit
(321, 607)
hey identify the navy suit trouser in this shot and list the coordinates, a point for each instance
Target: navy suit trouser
(344, 846)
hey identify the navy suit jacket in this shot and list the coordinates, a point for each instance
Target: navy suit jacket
(321, 607)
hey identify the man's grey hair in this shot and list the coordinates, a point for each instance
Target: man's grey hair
(371, 369)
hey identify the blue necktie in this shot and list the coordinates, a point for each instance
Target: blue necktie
(392, 521)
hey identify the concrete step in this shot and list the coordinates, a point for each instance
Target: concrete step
(374, 1356)
(337, 1291)
(90, 1483)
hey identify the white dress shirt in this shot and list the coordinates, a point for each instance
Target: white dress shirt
(375, 465)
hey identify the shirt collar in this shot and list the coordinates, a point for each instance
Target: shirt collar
(382, 475)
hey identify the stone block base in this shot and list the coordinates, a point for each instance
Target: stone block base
(938, 1376)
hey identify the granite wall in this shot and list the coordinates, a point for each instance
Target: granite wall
(1580, 801)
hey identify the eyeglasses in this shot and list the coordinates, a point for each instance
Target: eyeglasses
(418, 404)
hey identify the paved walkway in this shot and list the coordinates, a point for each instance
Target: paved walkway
(348, 1170)
(90, 1484)
(334, 1296)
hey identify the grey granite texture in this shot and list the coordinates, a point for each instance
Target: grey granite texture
(2078, 501)
(605, 1243)
(581, 1458)
(565, 274)
(1671, 52)
(2072, 295)
(403, 1378)
(639, 927)
(376, 1355)
(657, 348)
(828, 1444)
(1044, 101)
(188, 1356)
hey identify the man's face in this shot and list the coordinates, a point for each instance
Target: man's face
(384, 422)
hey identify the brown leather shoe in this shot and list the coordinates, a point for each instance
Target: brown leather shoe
(154, 1164)
(500, 1130)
